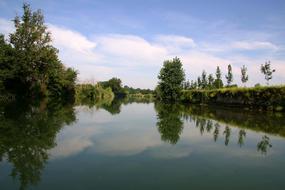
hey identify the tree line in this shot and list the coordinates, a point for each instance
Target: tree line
(215, 81)
(172, 79)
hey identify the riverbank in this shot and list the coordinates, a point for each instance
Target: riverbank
(271, 98)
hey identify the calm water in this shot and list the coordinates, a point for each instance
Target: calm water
(140, 146)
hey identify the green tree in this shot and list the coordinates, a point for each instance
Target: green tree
(193, 85)
(218, 83)
(266, 70)
(199, 82)
(216, 131)
(241, 137)
(6, 58)
(204, 82)
(186, 85)
(227, 133)
(229, 76)
(169, 121)
(171, 78)
(27, 134)
(34, 68)
(264, 144)
(210, 81)
(116, 85)
(244, 75)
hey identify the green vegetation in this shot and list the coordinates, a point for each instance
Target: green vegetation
(131, 90)
(209, 90)
(91, 94)
(229, 76)
(27, 132)
(169, 121)
(30, 69)
(29, 64)
(266, 70)
(267, 98)
(218, 83)
(171, 79)
(116, 85)
(218, 121)
(244, 75)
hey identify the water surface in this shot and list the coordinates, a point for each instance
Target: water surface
(140, 146)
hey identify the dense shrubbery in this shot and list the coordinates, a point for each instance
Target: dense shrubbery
(116, 85)
(269, 98)
(89, 93)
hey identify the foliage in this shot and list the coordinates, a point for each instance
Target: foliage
(266, 70)
(264, 144)
(131, 90)
(204, 81)
(91, 94)
(229, 76)
(210, 81)
(268, 98)
(244, 75)
(27, 133)
(218, 83)
(116, 85)
(268, 122)
(171, 78)
(29, 64)
(169, 122)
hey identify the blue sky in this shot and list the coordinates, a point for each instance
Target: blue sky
(130, 39)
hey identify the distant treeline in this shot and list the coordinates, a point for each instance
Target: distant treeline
(208, 89)
(108, 90)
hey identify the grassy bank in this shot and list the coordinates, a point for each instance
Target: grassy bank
(265, 98)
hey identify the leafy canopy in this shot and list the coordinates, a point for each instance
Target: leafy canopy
(171, 78)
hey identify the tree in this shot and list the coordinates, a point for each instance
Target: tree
(266, 70)
(193, 85)
(204, 82)
(244, 76)
(116, 85)
(218, 83)
(169, 121)
(6, 58)
(171, 78)
(229, 76)
(210, 81)
(34, 69)
(199, 82)
(186, 85)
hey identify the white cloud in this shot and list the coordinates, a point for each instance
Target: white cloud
(66, 38)
(254, 45)
(175, 42)
(6, 27)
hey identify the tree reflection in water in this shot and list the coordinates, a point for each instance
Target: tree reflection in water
(27, 132)
(169, 122)
(264, 144)
(170, 118)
